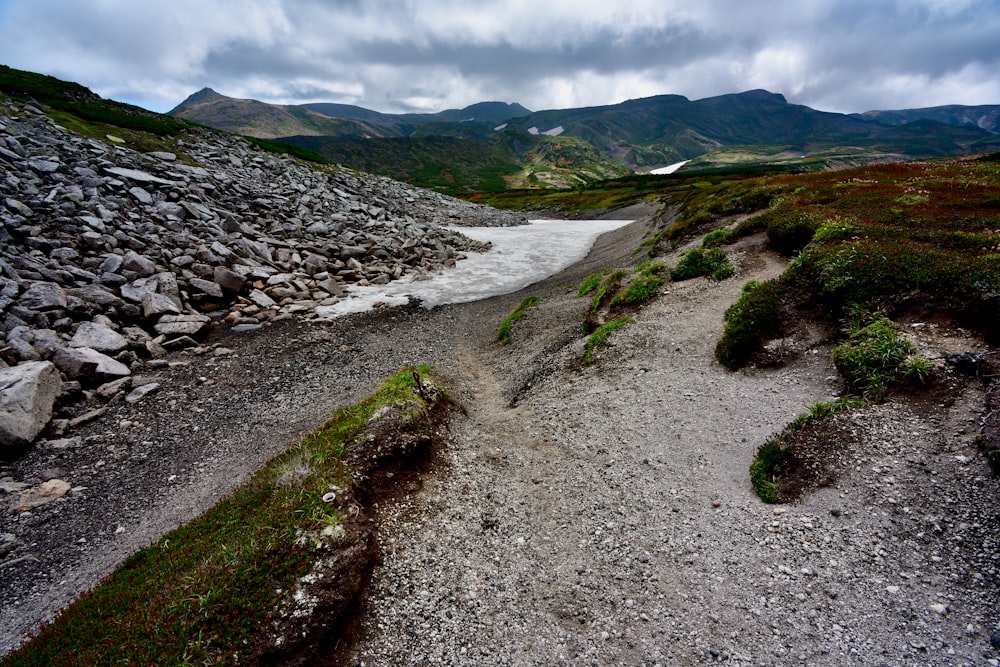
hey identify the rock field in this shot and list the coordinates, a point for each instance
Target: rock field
(109, 257)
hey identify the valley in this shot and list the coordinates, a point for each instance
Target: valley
(755, 426)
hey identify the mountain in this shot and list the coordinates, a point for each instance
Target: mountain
(494, 145)
(986, 117)
(272, 121)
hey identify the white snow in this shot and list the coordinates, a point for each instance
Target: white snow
(670, 168)
(532, 130)
(500, 127)
(555, 131)
(520, 256)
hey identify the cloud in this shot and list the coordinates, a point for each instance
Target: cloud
(426, 55)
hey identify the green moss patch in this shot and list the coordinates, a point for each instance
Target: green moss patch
(601, 335)
(503, 333)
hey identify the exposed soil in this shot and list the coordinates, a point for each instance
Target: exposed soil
(578, 515)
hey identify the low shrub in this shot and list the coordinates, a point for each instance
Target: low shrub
(644, 285)
(600, 336)
(753, 319)
(711, 262)
(789, 234)
(873, 354)
(504, 332)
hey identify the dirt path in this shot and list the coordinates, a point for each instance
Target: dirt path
(607, 517)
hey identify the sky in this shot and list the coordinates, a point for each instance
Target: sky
(400, 56)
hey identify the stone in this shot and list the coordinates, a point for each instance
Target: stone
(100, 337)
(262, 300)
(140, 265)
(138, 176)
(207, 287)
(43, 296)
(162, 155)
(141, 195)
(995, 640)
(141, 392)
(230, 281)
(182, 325)
(155, 306)
(27, 394)
(40, 495)
(85, 363)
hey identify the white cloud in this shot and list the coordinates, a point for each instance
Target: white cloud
(397, 55)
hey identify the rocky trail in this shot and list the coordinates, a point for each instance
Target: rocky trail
(579, 515)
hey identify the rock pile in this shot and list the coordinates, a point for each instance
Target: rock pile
(110, 257)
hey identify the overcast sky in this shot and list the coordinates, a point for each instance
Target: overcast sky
(430, 55)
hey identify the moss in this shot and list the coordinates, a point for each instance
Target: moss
(753, 319)
(590, 283)
(609, 286)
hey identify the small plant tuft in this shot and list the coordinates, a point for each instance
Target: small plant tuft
(590, 283)
(711, 262)
(873, 354)
(600, 335)
(504, 332)
(918, 370)
(610, 284)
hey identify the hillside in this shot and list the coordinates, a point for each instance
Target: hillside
(494, 140)
(986, 117)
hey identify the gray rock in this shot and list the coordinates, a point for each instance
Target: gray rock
(262, 300)
(154, 306)
(19, 207)
(100, 337)
(183, 325)
(207, 287)
(138, 176)
(43, 296)
(141, 195)
(87, 364)
(230, 281)
(27, 395)
(140, 265)
(162, 155)
(141, 392)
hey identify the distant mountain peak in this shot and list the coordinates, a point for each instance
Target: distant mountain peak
(203, 96)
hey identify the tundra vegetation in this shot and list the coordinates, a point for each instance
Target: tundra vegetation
(202, 593)
(503, 334)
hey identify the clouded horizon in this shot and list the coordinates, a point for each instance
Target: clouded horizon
(425, 56)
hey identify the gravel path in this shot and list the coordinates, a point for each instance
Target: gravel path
(607, 517)
(584, 516)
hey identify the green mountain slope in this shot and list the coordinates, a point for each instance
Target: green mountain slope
(986, 117)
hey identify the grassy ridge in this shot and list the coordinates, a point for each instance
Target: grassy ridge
(200, 594)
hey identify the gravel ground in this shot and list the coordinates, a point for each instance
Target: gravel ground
(579, 515)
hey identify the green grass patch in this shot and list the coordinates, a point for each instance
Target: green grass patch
(590, 283)
(711, 262)
(600, 336)
(753, 319)
(765, 470)
(608, 286)
(504, 332)
(200, 594)
(873, 355)
(644, 284)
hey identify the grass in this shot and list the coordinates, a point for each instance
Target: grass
(504, 332)
(600, 336)
(753, 319)
(765, 470)
(644, 284)
(606, 289)
(590, 283)
(873, 355)
(711, 262)
(199, 594)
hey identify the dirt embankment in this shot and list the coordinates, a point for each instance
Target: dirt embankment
(579, 515)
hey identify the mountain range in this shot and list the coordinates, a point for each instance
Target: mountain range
(495, 145)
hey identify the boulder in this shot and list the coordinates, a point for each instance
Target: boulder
(27, 394)
(100, 337)
(230, 281)
(87, 364)
(183, 325)
(43, 296)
